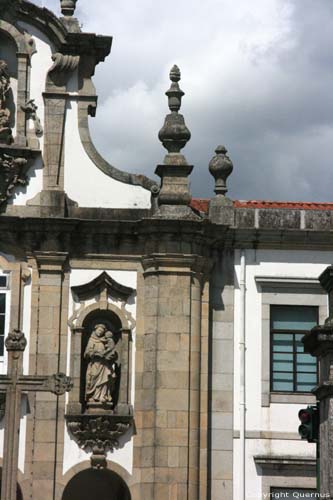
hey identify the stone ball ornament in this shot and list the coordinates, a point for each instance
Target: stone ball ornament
(221, 167)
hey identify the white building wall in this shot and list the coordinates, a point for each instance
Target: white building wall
(278, 417)
(85, 183)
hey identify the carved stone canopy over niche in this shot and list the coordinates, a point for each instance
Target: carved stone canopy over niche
(103, 282)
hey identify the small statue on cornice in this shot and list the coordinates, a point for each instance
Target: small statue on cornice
(5, 130)
(30, 109)
(102, 369)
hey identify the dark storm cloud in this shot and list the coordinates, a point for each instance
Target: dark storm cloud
(257, 76)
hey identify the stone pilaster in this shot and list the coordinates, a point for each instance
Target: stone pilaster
(168, 400)
(47, 356)
(319, 343)
(221, 373)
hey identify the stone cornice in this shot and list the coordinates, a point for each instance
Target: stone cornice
(55, 29)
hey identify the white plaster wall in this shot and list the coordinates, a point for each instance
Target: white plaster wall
(253, 477)
(86, 184)
(72, 453)
(40, 64)
(277, 417)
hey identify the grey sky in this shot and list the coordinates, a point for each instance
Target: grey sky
(258, 77)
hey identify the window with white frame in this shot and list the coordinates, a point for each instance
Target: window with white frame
(295, 292)
(292, 370)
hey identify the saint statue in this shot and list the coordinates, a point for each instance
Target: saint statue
(5, 130)
(101, 375)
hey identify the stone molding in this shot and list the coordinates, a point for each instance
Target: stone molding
(286, 463)
(50, 262)
(175, 263)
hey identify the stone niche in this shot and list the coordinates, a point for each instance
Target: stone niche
(18, 144)
(99, 412)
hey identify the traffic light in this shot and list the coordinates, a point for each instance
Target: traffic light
(309, 428)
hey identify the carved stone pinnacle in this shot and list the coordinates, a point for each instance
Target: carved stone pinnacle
(174, 134)
(68, 7)
(220, 167)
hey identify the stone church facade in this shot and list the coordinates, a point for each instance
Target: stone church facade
(149, 342)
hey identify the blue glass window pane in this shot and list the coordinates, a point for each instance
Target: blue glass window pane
(2, 324)
(3, 281)
(282, 356)
(309, 378)
(2, 345)
(293, 317)
(283, 367)
(282, 342)
(280, 377)
(2, 303)
(305, 387)
(305, 358)
(283, 386)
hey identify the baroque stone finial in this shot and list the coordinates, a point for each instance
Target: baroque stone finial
(174, 134)
(220, 167)
(68, 7)
(174, 197)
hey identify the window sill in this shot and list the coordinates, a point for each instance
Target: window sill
(292, 397)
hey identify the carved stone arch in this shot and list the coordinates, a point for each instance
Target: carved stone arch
(102, 306)
(24, 42)
(118, 469)
(104, 484)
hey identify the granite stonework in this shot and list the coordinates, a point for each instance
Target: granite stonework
(173, 416)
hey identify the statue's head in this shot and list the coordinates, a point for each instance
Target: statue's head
(99, 330)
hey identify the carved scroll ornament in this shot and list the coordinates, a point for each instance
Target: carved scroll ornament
(12, 174)
(5, 130)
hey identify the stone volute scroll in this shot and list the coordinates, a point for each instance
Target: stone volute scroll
(100, 413)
